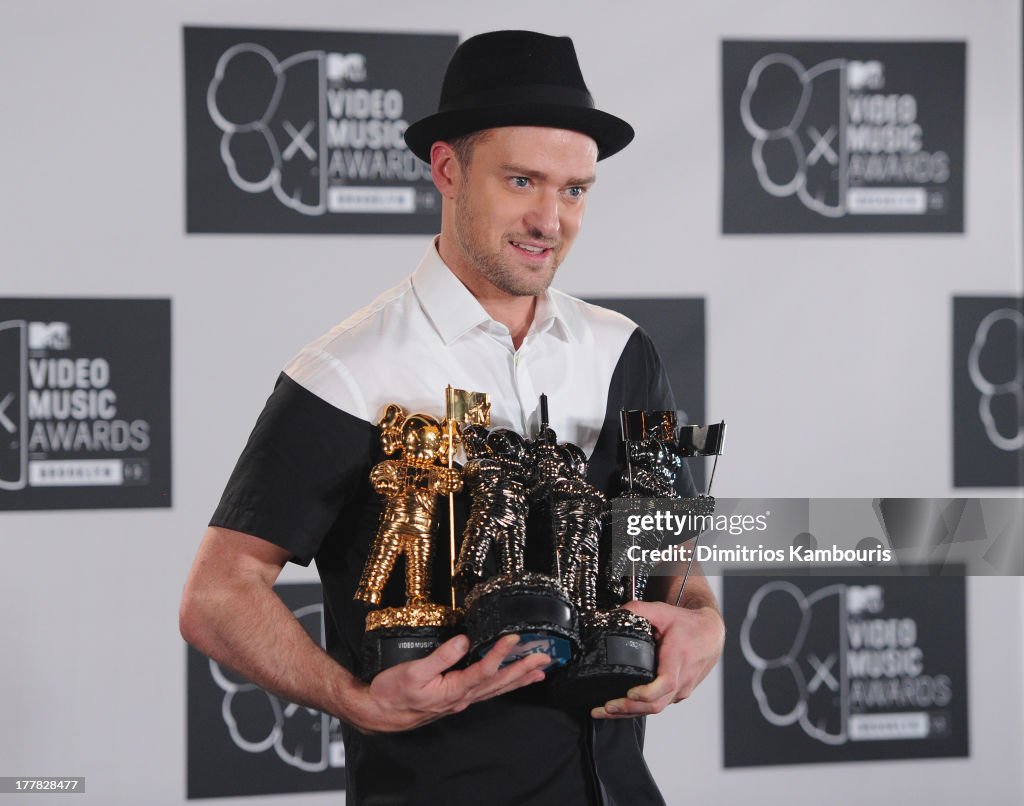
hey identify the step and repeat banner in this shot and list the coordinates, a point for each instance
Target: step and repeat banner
(822, 669)
(863, 138)
(303, 131)
(868, 138)
(988, 391)
(85, 403)
(842, 136)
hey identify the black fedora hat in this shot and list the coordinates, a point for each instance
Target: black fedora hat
(516, 78)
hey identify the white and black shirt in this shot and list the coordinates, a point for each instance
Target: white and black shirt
(302, 482)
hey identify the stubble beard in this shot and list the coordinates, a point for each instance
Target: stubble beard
(494, 266)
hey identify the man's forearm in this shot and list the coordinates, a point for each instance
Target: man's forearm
(230, 612)
(244, 625)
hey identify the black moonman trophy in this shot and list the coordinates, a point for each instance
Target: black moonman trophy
(495, 476)
(410, 485)
(531, 604)
(619, 649)
(655, 451)
(653, 464)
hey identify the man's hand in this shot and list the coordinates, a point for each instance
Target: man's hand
(689, 644)
(229, 611)
(417, 692)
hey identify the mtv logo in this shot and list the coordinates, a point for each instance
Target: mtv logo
(865, 75)
(346, 67)
(866, 598)
(49, 335)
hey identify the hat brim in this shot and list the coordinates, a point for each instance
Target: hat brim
(611, 134)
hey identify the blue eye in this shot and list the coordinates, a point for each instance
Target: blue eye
(520, 181)
(575, 191)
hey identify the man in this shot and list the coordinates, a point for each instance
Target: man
(512, 150)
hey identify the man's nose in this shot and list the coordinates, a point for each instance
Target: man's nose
(543, 214)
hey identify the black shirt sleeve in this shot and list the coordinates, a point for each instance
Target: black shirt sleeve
(302, 463)
(639, 381)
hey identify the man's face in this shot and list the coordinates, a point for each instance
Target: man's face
(519, 204)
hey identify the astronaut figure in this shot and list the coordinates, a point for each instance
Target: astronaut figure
(410, 485)
(495, 476)
(651, 470)
(575, 506)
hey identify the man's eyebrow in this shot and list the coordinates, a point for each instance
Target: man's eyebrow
(519, 170)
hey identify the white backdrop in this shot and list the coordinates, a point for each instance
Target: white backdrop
(847, 337)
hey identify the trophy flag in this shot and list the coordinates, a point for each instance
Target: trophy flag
(695, 440)
(708, 440)
(468, 408)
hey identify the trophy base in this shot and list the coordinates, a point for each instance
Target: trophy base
(398, 634)
(619, 652)
(532, 606)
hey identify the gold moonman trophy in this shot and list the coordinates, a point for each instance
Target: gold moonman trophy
(410, 485)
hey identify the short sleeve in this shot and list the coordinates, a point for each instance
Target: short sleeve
(660, 398)
(639, 381)
(303, 461)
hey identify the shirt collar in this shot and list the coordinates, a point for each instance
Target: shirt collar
(554, 313)
(454, 311)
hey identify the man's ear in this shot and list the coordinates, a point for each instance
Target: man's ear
(444, 168)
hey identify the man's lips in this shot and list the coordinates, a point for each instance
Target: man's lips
(531, 248)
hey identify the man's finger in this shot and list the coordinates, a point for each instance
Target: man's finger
(489, 664)
(486, 677)
(482, 670)
(444, 657)
(659, 687)
(623, 708)
(499, 652)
